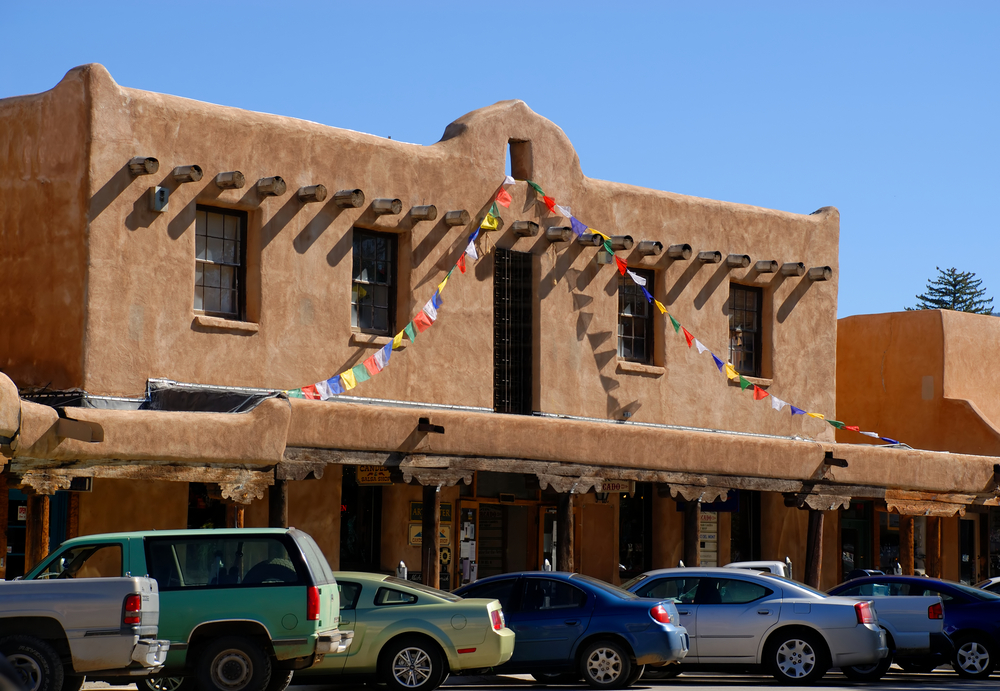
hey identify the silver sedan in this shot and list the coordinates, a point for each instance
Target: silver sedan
(748, 619)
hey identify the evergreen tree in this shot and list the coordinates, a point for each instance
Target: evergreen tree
(955, 290)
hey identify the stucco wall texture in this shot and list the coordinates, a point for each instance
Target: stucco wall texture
(115, 307)
(922, 377)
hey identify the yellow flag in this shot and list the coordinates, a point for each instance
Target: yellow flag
(489, 223)
(659, 306)
(397, 341)
(348, 380)
(595, 230)
(731, 372)
(816, 415)
(442, 284)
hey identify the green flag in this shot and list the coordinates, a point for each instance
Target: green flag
(296, 393)
(494, 211)
(411, 332)
(676, 324)
(361, 373)
(536, 188)
(836, 423)
(744, 384)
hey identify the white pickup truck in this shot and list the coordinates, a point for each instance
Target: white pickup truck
(914, 624)
(54, 632)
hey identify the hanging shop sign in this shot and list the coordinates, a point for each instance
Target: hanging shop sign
(613, 486)
(417, 511)
(373, 475)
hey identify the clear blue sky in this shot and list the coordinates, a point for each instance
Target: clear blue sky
(888, 111)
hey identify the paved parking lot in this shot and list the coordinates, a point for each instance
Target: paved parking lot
(933, 681)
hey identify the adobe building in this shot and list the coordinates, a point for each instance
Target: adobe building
(924, 376)
(171, 269)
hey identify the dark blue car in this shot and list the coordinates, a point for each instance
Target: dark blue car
(569, 626)
(971, 619)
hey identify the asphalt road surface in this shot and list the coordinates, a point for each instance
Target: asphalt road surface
(941, 680)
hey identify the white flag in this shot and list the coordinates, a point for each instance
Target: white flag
(430, 310)
(324, 390)
(871, 434)
(509, 180)
(380, 359)
(777, 403)
(564, 211)
(701, 348)
(637, 278)
(471, 250)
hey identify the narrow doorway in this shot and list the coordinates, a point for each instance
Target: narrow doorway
(512, 333)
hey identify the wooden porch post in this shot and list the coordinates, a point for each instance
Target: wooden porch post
(814, 549)
(906, 544)
(430, 554)
(73, 519)
(932, 563)
(277, 504)
(37, 539)
(4, 508)
(564, 520)
(692, 533)
(235, 515)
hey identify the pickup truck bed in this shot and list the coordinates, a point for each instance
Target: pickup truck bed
(57, 628)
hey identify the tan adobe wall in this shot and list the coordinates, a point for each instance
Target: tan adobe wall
(140, 293)
(920, 377)
(123, 505)
(43, 207)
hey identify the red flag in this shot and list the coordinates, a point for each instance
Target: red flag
(688, 337)
(622, 266)
(371, 366)
(503, 198)
(422, 321)
(311, 392)
(550, 202)
(852, 428)
(759, 394)
(461, 263)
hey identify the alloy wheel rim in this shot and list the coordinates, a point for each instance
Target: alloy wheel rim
(604, 665)
(27, 667)
(164, 683)
(973, 657)
(796, 658)
(412, 667)
(231, 670)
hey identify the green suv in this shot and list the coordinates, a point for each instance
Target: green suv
(242, 608)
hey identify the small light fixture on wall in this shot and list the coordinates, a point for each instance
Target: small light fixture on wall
(602, 497)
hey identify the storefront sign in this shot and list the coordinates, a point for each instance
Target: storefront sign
(373, 475)
(623, 486)
(416, 539)
(22, 513)
(417, 511)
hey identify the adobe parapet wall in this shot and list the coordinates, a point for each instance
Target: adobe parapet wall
(139, 321)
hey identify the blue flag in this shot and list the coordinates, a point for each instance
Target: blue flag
(649, 298)
(578, 228)
(718, 363)
(797, 411)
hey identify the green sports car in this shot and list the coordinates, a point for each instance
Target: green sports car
(411, 637)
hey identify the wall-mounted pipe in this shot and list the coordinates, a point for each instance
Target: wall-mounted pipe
(187, 174)
(820, 273)
(650, 248)
(387, 207)
(312, 193)
(143, 165)
(231, 180)
(271, 187)
(793, 269)
(458, 217)
(682, 252)
(349, 199)
(424, 213)
(708, 257)
(738, 261)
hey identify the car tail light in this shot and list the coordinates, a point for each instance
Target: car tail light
(864, 612)
(496, 616)
(133, 609)
(935, 611)
(312, 603)
(660, 614)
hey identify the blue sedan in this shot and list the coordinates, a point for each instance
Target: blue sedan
(971, 619)
(570, 625)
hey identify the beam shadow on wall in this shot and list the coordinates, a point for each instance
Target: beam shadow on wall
(316, 226)
(109, 192)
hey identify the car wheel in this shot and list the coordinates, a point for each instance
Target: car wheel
(233, 663)
(973, 658)
(35, 661)
(606, 665)
(796, 657)
(634, 676)
(668, 671)
(872, 672)
(167, 684)
(72, 682)
(280, 679)
(412, 664)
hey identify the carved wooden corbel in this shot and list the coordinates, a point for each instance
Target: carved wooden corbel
(429, 477)
(43, 482)
(568, 484)
(706, 494)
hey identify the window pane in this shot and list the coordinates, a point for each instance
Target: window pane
(200, 223)
(381, 319)
(381, 252)
(232, 228)
(542, 594)
(227, 276)
(381, 296)
(354, 315)
(199, 274)
(368, 248)
(229, 251)
(212, 275)
(215, 225)
(365, 317)
(213, 300)
(199, 247)
(199, 300)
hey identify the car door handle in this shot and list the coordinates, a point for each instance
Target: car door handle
(763, 611)
(683, 612)
(572, 622)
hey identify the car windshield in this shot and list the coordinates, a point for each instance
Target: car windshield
(635, 579)
(421, 588)
(975, 593)
(606, 587)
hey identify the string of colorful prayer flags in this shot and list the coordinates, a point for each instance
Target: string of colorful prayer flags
(727, 368)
